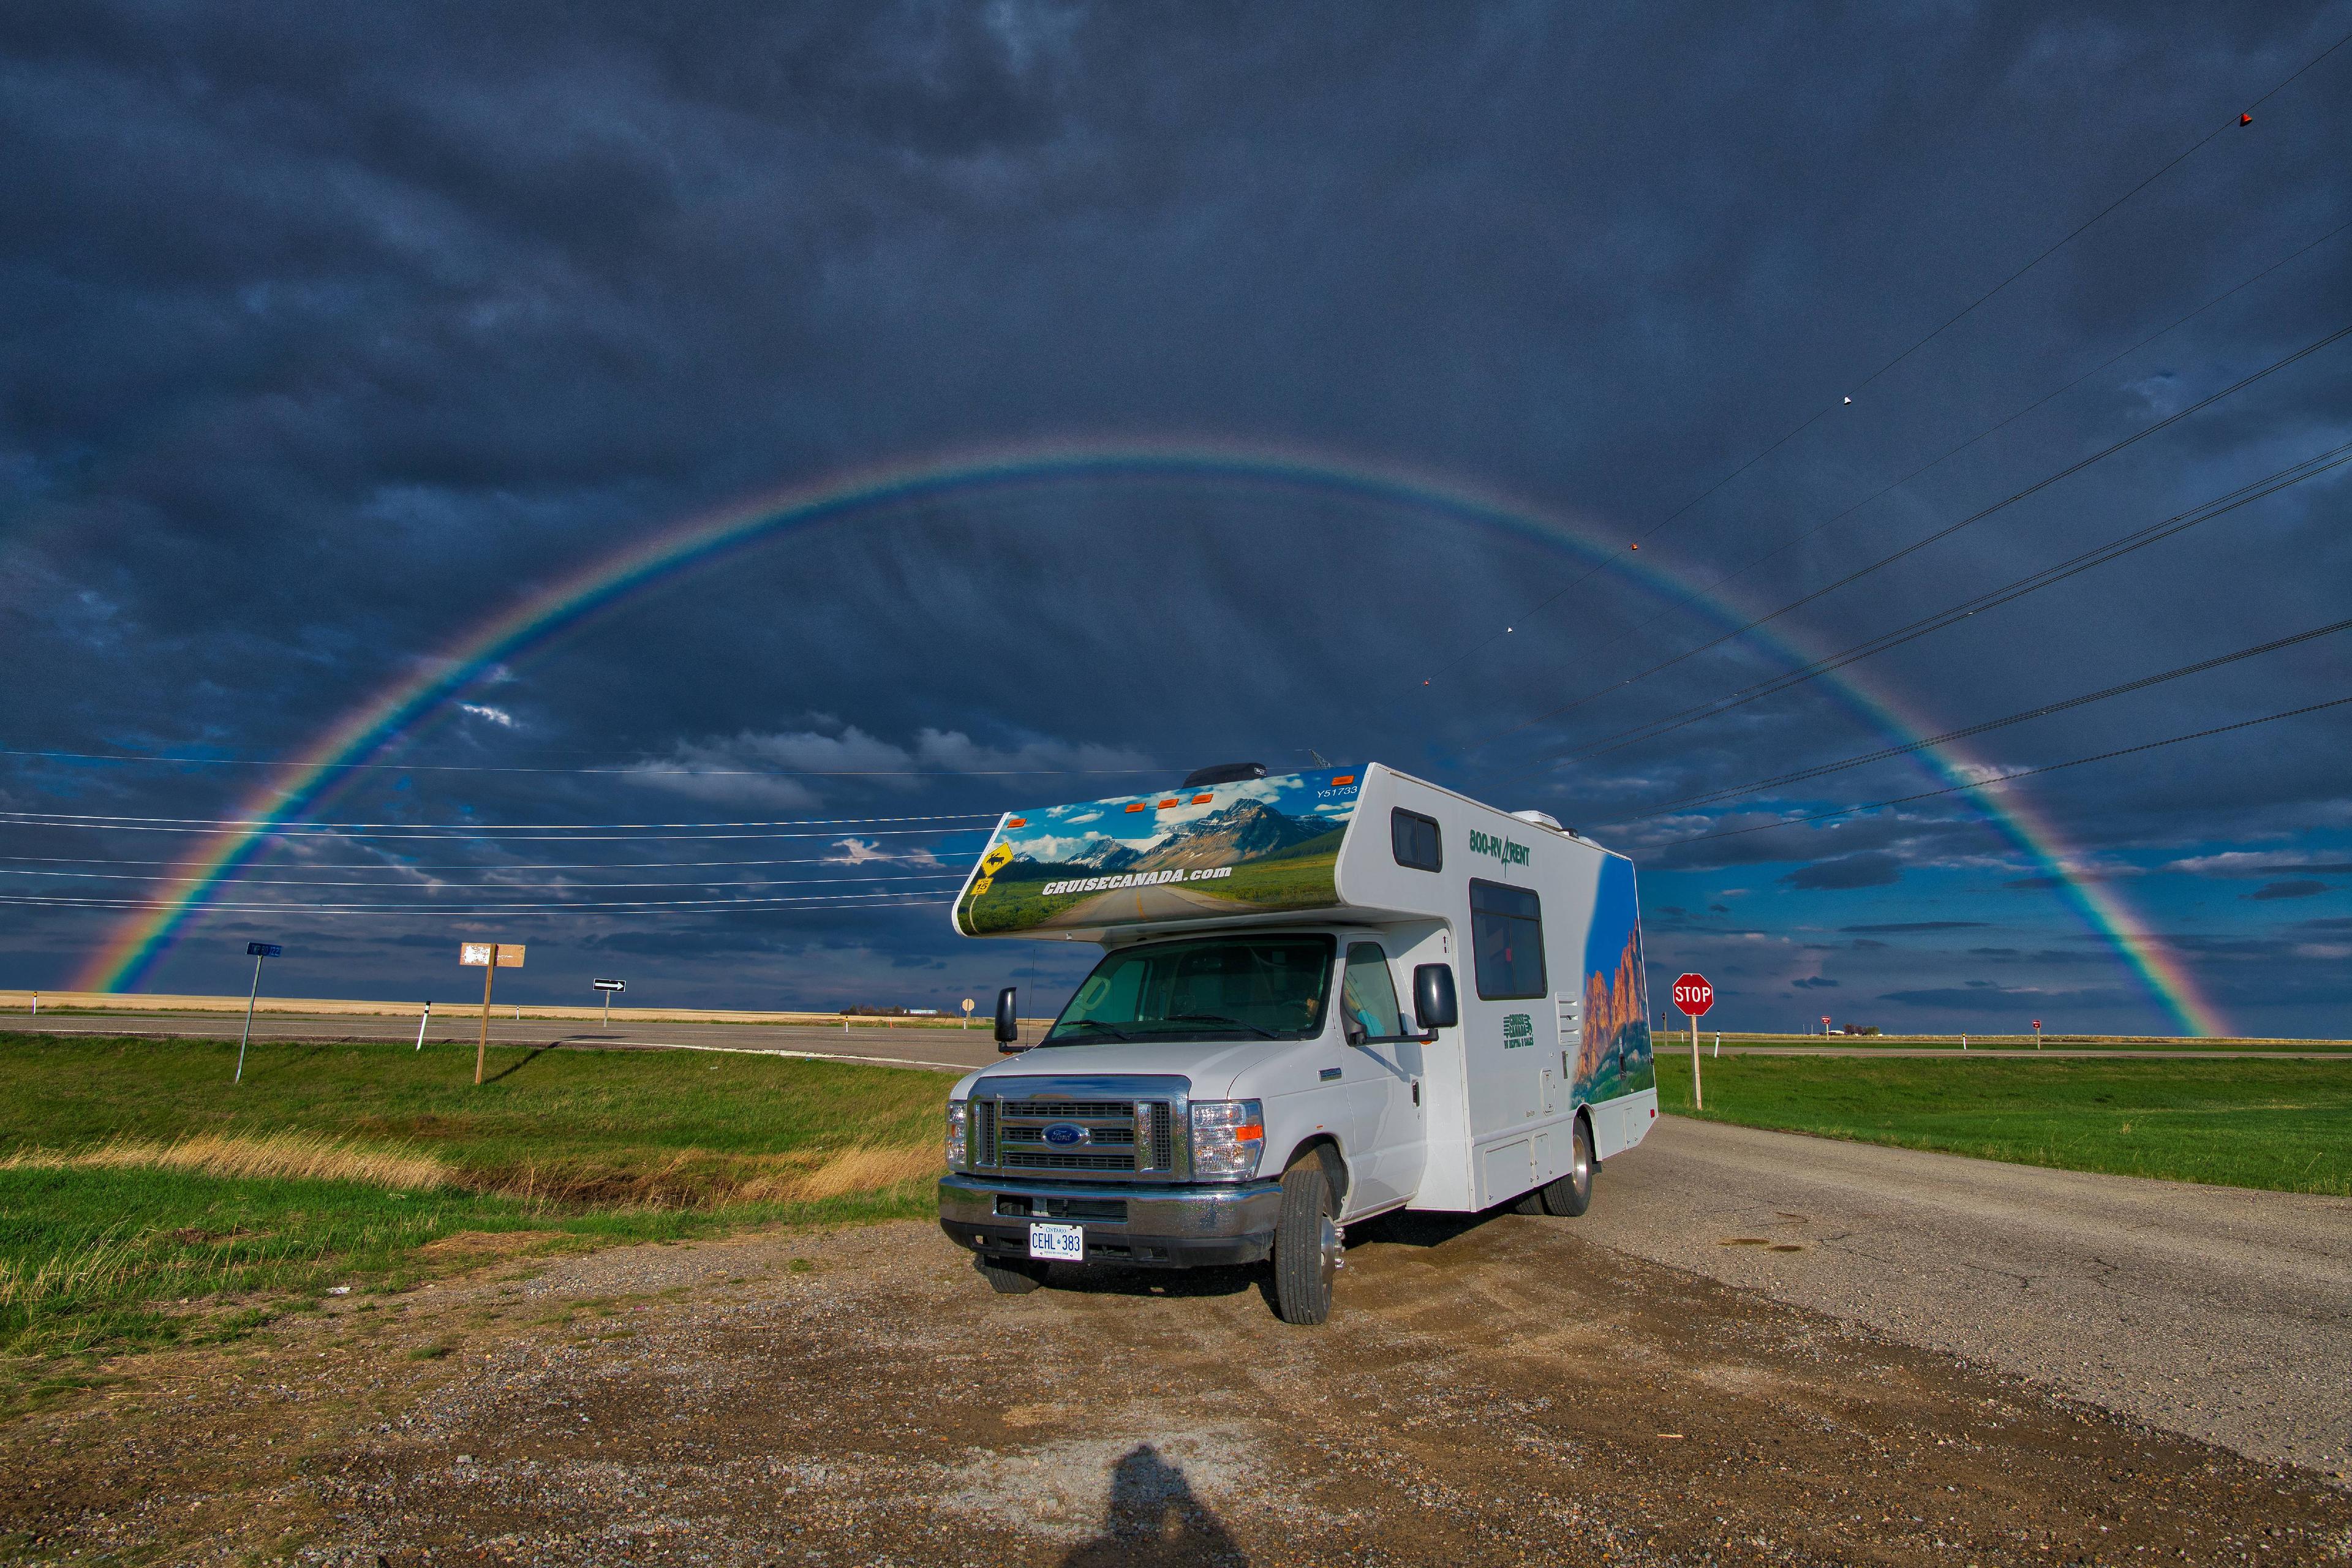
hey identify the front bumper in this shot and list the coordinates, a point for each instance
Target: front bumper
(1151, 1226)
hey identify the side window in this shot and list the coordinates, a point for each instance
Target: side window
(1507, 942)
(1414, 838)
(1368, 998)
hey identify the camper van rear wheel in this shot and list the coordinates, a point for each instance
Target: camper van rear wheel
(1306, 1244)
(1571, 1195)
(1010, 1277)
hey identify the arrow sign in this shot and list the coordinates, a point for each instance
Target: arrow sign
(1693, 995)
(610, 985)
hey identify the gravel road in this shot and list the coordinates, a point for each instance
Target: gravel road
(1508, 1389)
(2215, 1311)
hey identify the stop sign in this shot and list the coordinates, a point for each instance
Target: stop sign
(1693, 995)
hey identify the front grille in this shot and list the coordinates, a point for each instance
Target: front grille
(1028, 1159)
(1124, 1137)
(1120, 1137)
(983, 1132)
(1071, 1109)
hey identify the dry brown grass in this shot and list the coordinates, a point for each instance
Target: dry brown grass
(865, 1168)
(687, 1178)
(301, 1155)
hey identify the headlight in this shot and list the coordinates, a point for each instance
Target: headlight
(1228, 1137)
(958, 1112)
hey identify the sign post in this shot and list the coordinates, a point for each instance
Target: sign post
(1694, 995)
(2037, 1034)
(967, 1012)
(422, 1019)
(608, 987)
(490, 957)
(256, 950)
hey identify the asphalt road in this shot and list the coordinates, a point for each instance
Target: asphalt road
(956, 1050)
(2217, 1312)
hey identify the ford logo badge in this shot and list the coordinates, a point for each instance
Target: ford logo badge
(1064, 1135)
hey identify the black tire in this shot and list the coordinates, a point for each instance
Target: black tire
(1011, 1277)
(1530, 1203)
(1571, 1195)
(1306, 1244)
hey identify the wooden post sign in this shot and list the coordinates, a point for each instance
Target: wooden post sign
(491, 957)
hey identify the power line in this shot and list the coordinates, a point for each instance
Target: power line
(1942, 533)
(2019, 773)
(1954, 320)
(636, 769)
(2114, 550)
(1713, 796)
(495, 887)
(457, 865)
(469, 828)
(840, 902)
(2003, 424)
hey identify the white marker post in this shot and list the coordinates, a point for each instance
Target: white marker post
(259, 951)
(422, 1019)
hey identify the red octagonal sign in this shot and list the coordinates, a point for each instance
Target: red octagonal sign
(1693, 995)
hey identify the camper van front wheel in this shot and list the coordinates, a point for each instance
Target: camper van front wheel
(1571, 1195)
(1305, 1243)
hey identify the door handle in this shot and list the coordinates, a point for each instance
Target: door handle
(1416, 1091)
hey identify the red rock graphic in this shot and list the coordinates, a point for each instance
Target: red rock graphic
(1613, 1004)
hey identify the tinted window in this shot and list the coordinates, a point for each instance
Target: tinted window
(1506, 941)
(1414, 838)
(1367, 995)
(1265, 987)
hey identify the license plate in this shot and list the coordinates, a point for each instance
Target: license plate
(1062, 1243)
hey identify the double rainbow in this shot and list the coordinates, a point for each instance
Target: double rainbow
(368, 731)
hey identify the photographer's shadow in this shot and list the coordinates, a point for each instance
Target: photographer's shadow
(1153, 1520)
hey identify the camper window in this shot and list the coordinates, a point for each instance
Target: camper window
(1414, 838)
(1506, 937)
(1368, 1002)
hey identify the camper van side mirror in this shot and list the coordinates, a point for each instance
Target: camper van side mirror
(1434, 1006)
(1008, 1020)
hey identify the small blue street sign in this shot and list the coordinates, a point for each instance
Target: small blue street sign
(264, 950)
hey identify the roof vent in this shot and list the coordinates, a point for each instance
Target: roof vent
(1224, 772)
(1541, 819)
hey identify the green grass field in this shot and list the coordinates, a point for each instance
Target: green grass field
(2284, 1125)
(143, 1199)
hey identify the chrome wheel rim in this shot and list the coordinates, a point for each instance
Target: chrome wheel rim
(1327, 1236)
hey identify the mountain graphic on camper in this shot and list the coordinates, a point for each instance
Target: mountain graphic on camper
(1246, 830)
(1126, 861)
(1104, 855)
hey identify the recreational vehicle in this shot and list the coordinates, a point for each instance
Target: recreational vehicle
(1321, 996)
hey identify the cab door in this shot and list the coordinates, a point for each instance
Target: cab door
(1384, 1082)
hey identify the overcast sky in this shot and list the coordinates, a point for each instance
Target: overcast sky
(329, 333)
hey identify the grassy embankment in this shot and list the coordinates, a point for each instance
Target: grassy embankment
(2284, 1125)
(145, 1200)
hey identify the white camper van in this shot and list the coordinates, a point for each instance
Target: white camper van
(1321, 996)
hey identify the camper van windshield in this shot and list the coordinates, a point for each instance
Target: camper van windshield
(1272, 987)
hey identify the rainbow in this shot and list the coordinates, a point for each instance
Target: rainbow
(368, 731)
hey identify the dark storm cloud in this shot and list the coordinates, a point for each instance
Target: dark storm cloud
(1873, 869)
(2290, 890)
(328, 332)
(1915, 925)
